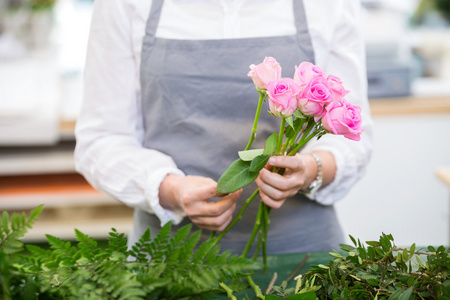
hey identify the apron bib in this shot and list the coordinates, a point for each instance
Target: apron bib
(199, 105)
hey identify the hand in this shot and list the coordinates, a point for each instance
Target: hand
(275, 188)
(191, 193)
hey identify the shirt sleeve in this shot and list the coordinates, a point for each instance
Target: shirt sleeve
(346, 59)
(109, 130)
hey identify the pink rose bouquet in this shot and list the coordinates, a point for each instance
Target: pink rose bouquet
(309, 105)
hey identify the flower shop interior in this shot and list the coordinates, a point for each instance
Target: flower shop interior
(406, 188)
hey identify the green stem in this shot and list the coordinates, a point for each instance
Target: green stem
(258, 246)
(286, 144)
(228, 290)
(255, 288)
(238, 217)
(300, 128)
(301, 144)
(255, 121)
(305, 137)
(254, 231)
(266, 212)
(280, 135)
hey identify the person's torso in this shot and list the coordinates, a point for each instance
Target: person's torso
(198, 106)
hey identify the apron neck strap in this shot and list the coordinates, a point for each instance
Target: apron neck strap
(155, 14)
(153, 19)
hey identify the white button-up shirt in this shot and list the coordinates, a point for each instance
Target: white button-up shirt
(109, 130)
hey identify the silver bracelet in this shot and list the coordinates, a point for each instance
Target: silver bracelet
(317, 182)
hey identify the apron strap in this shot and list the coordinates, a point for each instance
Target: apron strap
(301, 25)
(153, 19)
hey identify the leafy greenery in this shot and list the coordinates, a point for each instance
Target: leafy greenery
(167, 267)
(179, 267)
(381, 271)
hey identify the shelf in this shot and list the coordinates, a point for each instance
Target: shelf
(410, 105)
(69, 202)
(29, 160)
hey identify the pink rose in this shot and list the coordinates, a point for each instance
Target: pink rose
(343, 118)
(265, 72)
(314, 97)
(337, 89)
(283, 97)
(305, 72)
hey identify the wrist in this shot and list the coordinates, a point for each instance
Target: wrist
(169, 192)
(315, 167)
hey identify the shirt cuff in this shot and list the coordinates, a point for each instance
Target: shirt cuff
(345, 177)
(152, 196)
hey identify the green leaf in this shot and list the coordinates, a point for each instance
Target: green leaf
(298, 114)
(347, 248)
(271, 297)
(235, 177)
(290, 121)
(405, 254)
(395, 295)
(249, 155)
(353, 240)
(406, 294)
(271, 144)
(258, 163)
(412, 249)
(34, 214)
(304, 296)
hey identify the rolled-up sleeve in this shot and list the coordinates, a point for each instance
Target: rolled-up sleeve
(109, 130)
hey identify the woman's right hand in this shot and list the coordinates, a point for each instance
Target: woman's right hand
(192, 194)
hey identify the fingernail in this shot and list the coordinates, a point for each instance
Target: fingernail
(272, 160)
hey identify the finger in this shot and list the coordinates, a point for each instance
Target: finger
(281, 182)
(217, 227)
(275, 204)
(198, 193)
(214, 223)
(213, 209)
(272, 192)
(289, 162)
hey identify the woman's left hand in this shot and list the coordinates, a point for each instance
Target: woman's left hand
(274, 188)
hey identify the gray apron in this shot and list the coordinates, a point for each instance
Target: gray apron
(199, 105)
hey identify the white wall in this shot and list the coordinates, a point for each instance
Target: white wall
(400, 193)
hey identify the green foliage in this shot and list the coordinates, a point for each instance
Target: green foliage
(381, 271)
(163, 268)
(15, 283)
(179, 267)
(12, 230)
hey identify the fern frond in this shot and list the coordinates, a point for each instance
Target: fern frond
(34, 215)
(14, 227)
(188, 248)
(87, 246)
(203, 250)
(161, 243)
(140, 249)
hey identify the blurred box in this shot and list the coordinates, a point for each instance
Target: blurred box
(388, 79)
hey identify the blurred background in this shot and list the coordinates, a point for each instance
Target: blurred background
(406, 190)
